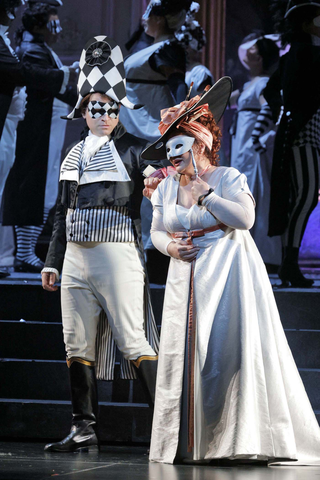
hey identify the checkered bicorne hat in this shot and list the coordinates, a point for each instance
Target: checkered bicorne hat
(101, 71)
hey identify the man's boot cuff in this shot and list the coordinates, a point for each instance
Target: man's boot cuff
(79, 360)
(137, 362)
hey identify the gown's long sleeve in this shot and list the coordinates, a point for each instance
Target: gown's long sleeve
(159, 236)
(237, 213)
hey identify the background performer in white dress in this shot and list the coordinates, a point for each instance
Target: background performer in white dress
(253, 134)
(227, 385)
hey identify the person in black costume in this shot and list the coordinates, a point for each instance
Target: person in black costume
(13, 75)
(295, 171)
(25, 205)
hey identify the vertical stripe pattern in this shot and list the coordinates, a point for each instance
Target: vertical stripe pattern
(305, 178)
(101, 224)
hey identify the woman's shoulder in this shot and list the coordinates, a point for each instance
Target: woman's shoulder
(169, 53)
(225, 175)
(224, 171)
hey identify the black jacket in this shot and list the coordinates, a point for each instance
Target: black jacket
(101, 194)
(13, 73)
(296, 87)
(25, 188)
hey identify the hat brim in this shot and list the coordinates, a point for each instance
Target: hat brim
(306, 4)
(217, 98)
(244, 47)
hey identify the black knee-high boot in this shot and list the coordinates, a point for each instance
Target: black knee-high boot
(146, 368)
(84, 410)
(290, 272)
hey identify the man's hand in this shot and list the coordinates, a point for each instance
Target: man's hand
(182, 250)
(198, 188)
(48, 281)
(151, 184)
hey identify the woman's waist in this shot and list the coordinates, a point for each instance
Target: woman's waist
(206, 233)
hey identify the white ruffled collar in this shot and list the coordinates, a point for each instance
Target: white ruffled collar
(92, 145)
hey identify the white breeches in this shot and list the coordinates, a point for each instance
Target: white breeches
(103, 276)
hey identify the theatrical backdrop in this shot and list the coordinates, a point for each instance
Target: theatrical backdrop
(226, 23)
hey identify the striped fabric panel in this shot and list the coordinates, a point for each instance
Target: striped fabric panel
(100, 225)
(72, 161)
(103, 160)
(105, 350)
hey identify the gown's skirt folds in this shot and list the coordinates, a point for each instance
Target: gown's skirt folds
(250, 401)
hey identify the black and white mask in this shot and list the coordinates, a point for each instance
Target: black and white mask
(98, 109)
(54, 27)
(179, 145)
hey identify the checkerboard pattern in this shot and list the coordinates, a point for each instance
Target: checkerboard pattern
(310, 134)
(102, 70)
(99, 109)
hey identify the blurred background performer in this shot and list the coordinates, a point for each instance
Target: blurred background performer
(155, 77)
(13, 75)
(253, 133)
(32, 186)
(193, 37)
(295, 171)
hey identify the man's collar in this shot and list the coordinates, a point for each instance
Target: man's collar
(118, 131)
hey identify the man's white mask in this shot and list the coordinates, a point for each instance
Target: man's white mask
(316, 21)
(178, 145)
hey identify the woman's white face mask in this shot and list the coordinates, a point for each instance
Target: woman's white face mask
(179, 145)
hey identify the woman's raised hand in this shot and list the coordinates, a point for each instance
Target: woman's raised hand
(182, 250)
(150, 185)
(199, 187)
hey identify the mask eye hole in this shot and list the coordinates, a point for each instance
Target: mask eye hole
(168, 149)
(179, 145)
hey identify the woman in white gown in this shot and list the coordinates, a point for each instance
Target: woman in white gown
(227, 384)
(253, 136)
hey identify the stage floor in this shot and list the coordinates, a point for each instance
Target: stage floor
(28, 461)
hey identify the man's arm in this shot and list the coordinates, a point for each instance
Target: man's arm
(16, 73)
(57, 246)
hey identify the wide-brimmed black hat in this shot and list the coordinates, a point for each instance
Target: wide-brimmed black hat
(216, 97)
(296, 4)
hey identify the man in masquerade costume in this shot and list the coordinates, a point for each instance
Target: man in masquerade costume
(32, 186)
(97, 238)
(13, 75)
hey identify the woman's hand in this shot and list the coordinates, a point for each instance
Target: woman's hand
(182, 250)
(151, 184)
(199, 187)
(48, 281)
